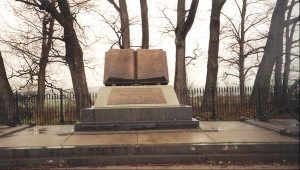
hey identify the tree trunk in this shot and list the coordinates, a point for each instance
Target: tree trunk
(74, 56)
(278, 80)
(180, 71)
(213, 49)
(289, 33)
(124, 24)
(145, 25)
(47, 34)
(182, 29)
(125, 31)
(5, 89)
(273, 49)
(242, 56)
(7, 98)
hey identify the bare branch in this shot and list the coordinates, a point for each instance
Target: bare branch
(30, 3)
(114, 4)
(196, 55)
(235, 30)
(292, 21)
(169, 20)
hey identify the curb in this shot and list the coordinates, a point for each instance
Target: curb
(13, 130)
(283, 131)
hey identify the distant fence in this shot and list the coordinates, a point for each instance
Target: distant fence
(58, 108)
(226, 103)
(223, 104)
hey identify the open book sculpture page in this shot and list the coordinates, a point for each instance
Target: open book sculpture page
(142, 67)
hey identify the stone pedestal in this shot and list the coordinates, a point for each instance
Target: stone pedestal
(135, 108)
(137, 95)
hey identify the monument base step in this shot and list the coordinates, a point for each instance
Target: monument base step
(137, 114)
(104, 126)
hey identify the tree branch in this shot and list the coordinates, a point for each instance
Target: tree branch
(114, 4)
(292, 21)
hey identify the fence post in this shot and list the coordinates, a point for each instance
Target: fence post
(17, 105)
(259, 102)
(214, 115)
(61, 107)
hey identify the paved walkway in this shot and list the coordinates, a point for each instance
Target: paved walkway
(209, 133)
(224, 134)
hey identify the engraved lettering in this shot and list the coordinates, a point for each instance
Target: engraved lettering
(123, 96)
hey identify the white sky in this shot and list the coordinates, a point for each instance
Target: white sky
(199, 33)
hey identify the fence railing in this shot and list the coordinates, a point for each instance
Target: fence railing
(225, 103)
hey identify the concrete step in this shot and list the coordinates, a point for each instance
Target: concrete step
(148, 159)
(144, 154)
(69, 151)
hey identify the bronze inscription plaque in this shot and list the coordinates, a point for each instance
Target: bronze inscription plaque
(120, 96)
(151, 64)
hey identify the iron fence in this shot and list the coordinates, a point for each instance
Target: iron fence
(224, 103)
(227, 103)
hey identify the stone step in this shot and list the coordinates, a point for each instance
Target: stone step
(147, 159)
(144, 150)
(108, 126)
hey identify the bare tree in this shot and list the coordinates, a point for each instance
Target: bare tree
(61, 12)
(272, 50)
(290, 27)
(120, 28)
(47, 34)
(244, 45)
(28, 43)
(184, 24)
(125, 31)
(32, 43)
(213, 49)
(170, 28)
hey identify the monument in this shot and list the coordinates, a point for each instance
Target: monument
(136, 95)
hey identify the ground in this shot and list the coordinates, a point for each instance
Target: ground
(209, 165)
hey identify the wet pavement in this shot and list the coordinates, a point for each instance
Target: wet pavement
(214, 140)
(209, 132)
